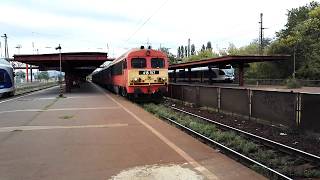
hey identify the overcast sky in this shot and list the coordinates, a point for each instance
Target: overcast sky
(94, 25)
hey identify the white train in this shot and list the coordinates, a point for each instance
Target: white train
(202, 75)
(7, 87)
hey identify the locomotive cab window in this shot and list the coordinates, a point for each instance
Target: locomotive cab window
(157, 63)
(2, 77)
(138, 63)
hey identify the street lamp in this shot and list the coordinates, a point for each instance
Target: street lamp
(60, 76)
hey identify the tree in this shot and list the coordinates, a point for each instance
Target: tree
(182, 51)
(172, 59)
(300, 37)
(193, 49)
(186, 51)
(295, 17)
(179, 52)
(209, 47)
(43, 75)
(203, 48)
(21, 74)
(202, 55)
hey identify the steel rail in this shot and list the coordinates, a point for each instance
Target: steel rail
(304, 154)
(228, 149)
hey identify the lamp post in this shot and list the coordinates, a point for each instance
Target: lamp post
(60, 75)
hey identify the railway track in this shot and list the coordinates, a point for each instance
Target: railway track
(268, 169)
(282, 147)
(233, 152)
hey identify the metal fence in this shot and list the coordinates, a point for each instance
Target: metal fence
(292, 110)
(281, 82)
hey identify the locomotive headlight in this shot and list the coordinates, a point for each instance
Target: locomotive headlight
(162, 79)
(135, 79)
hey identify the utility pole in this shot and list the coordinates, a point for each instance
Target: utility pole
(261, 35)
(6, 51)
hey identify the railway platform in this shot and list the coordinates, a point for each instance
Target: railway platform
(94, 134)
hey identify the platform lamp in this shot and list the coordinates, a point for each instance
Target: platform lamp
(60, 75)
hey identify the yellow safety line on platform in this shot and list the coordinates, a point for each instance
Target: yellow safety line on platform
(61, 109)
(182, 153)
(32, 128)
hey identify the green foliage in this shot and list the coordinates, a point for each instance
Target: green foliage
(262, 70)
(209, 46)
(21, 74)
(202, 55)
(193, 49)
(203, 47)
(292, 83)
(43, 75)
(171, 57)
(251, 49)
(300, 37)
(182, 51)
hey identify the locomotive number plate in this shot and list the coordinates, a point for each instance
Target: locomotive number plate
(148, 72)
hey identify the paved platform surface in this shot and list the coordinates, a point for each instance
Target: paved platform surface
(94, 134)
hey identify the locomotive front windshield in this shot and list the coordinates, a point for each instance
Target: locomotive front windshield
(157, 63)
(138, 63)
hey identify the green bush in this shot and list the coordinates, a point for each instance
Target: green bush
(293, 83)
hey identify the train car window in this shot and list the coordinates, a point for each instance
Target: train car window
(157, 63)
(138, 63)
(2, 77)
(221, 72)
(116, 69)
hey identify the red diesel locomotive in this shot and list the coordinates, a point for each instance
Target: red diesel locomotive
(139, 72)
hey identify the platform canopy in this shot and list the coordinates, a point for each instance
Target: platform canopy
(76, 65)
(225, 60)
(84, 62)
(236, 61)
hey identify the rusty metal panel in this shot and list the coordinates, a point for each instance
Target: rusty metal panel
(276, 107)
(235, 100)
(310, 112)
(177, 92)
(190, 94)
(208, 97)
(169, 94)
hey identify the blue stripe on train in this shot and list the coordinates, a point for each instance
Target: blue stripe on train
(7, 83)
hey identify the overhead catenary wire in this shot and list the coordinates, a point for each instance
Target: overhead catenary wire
(146, 21)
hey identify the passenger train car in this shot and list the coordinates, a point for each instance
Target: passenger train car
(6, 78)
(202, 75)
(137, 73)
